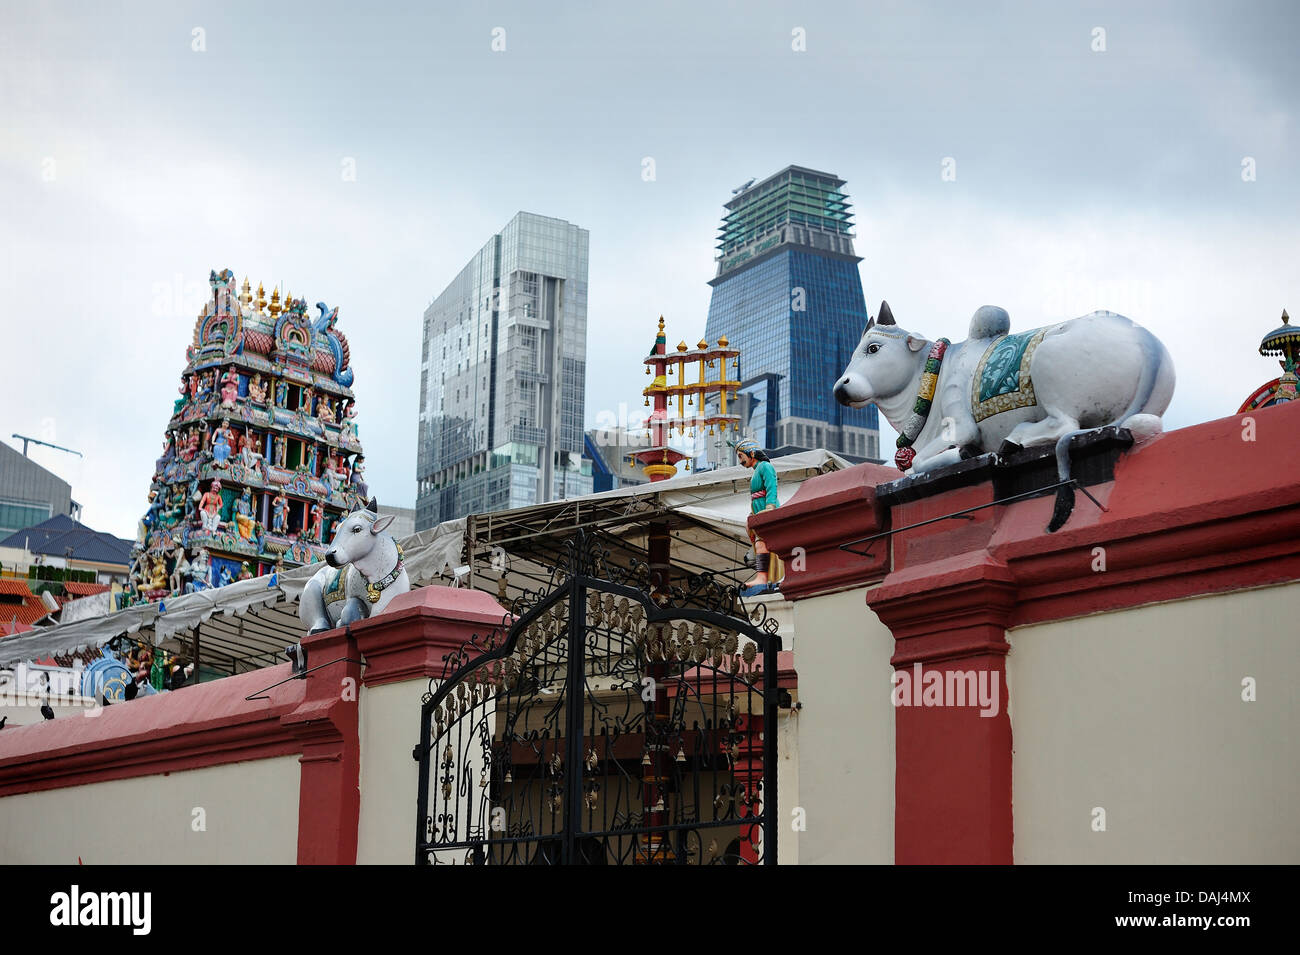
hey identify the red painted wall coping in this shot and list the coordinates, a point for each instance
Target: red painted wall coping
(823, 513)
(412, 639)
(1195, 511)
(446, 603)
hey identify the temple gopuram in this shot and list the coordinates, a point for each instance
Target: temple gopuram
(261, 457)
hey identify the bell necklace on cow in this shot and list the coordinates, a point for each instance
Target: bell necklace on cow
(921, 409)
(375, 588)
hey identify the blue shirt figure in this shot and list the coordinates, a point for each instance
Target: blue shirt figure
(762, 497)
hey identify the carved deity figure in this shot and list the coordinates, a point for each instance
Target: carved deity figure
(257, 390)
(191, 448)
(335, 472)
(180, 570)
(279, 513)
(244, 514)
(282, 393)
(201, 571)
(358, 480)
(317, 521)
(221, 449)
(157, 574)
(210, 509)
(230, 388)
(308, 401)
(326, 412)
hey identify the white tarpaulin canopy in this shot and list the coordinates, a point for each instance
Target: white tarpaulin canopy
(247, 624)
(243, 625)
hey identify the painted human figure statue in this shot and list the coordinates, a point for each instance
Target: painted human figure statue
(180, 569)
(317, 522)
(210, 508)
(257, 390)
(244, 514)
(308, 401)
(326, 411)
(279, 514)
(230, 388)
(359, 478)
(282, 393)
(221, 449)
(191, 447)
(201, 571)
(334, 471)
(762, 497)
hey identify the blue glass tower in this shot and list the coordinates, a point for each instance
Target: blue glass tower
(789, 296)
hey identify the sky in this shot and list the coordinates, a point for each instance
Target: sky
(1135, 157)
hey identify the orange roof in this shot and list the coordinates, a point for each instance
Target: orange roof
(76, 589)
(29, 611)
(14, 585)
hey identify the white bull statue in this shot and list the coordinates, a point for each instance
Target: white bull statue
(365, 572)
(1002, 392)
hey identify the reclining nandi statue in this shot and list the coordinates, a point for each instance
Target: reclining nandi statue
(365, 572)
(1002, 392)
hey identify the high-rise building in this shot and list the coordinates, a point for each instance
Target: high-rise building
(503, 376)
(788, 295)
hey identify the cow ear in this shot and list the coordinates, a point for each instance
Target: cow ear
(914, 343)
(381, 523)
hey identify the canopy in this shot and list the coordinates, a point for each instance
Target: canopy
(247, 624)
(244, 625)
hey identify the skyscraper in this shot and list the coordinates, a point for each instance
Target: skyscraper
(789, 296)
(503, 376)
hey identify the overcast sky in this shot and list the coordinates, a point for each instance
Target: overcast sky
(132, 163)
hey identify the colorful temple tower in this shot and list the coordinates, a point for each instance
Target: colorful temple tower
(261, 457)
(659, 461)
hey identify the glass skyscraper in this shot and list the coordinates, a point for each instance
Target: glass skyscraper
(789, 296)
(503, 376)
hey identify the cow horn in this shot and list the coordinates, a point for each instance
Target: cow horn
(373, 505)
(870, 322)
(886, 317)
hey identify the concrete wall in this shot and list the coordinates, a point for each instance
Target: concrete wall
(1140, 713)
(390, 715)
(845, 732)
(250, 811)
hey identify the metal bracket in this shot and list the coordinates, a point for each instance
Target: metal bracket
(963, 515)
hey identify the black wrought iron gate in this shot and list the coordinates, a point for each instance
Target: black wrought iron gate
(602, 724)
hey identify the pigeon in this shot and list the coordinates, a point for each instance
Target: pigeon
(2, 721)
(47, 711)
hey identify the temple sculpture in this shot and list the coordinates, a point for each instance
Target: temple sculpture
(261, 458)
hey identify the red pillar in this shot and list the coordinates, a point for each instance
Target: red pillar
(325, 724)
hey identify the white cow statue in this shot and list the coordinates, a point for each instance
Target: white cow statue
(1001, 392)
(365, 572)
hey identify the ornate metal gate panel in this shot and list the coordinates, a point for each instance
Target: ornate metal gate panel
(603, 724)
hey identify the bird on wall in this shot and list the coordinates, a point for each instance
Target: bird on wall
(47, 711)
(3, 719)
